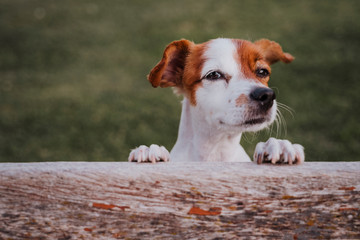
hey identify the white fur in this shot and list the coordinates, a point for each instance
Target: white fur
(220, 56)
(282, 151)
(211, 130)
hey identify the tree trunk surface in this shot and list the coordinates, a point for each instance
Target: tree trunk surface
(118, 200)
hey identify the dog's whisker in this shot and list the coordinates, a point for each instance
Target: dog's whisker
(280, 117)
(249, 137)
(283, 123)
(286, 108)
(246, 138)
(278, 123)
(273, 126)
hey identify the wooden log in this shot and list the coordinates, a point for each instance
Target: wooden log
(107, 200)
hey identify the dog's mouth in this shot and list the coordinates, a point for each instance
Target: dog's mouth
(250, 122)
(254, 121)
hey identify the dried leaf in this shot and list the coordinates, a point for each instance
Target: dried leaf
(119, 234)
(348, 209)
(287, 197)
(199, 211)
(347, 188)
(310, 222)
(233, 208)
(108, 206)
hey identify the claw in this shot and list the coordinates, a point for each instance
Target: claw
(259, 159)
(132, 156)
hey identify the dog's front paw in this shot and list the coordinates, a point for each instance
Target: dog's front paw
(153, 154)
(279, 151)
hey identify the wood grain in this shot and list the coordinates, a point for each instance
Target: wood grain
(77, 200)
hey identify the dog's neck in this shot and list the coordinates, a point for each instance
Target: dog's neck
(199, 141)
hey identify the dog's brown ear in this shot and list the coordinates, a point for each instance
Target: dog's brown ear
(273, 52)
(169, 71)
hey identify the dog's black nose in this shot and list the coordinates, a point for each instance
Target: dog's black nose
(264, 96)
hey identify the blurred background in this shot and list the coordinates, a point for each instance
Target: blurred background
(73, 73)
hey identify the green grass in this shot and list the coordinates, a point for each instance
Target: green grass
(73, 73)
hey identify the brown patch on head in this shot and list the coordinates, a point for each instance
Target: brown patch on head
(180, 67)
(250, 58)
(169, 71)
(241, 100)
(192, 73)
(273, 52)
(253, 57)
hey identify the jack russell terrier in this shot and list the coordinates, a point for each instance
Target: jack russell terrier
(225, 87)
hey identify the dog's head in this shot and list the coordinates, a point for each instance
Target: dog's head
(225, 79)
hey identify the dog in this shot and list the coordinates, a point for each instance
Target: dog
(225, 87)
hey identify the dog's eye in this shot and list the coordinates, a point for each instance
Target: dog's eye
(215, 75)
(262, 72)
